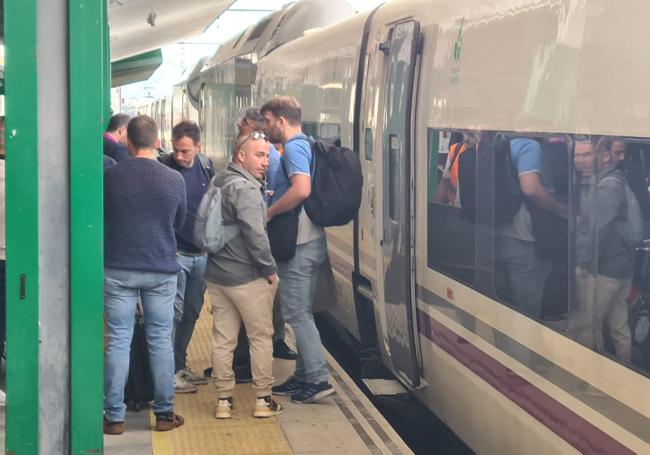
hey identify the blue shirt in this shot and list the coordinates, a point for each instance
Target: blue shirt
(526, 155)
(296, 161)
(196, 184)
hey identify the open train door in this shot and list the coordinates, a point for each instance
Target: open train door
(401, 62)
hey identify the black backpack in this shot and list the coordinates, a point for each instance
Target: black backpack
(206, 163)
(506, 201)
(337, 183)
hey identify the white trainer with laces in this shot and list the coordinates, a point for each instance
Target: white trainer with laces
(224, 408)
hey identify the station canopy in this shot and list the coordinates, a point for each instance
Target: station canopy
(138, 28)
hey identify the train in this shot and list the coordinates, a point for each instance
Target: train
(414, 280)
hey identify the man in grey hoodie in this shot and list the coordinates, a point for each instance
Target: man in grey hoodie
(604, 258)
(242, 279)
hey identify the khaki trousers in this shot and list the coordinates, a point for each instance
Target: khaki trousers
(252, 304)
(602, 301)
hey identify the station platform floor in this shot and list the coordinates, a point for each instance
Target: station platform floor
(346, 423)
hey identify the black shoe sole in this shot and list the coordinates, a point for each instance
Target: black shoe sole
(286, 393)
(316, 397)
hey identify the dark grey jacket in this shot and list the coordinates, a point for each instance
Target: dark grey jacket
(247, 256)
(600, 248)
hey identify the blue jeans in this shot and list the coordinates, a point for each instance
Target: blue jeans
(121, 290)
(188, 304)
(296, 296)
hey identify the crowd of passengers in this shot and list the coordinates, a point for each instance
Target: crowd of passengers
(150, 204)
(610, 203)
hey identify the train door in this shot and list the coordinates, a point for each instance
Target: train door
(401, 51)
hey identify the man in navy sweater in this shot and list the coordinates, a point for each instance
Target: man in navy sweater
(143, 202)
(196, 170)
(115, 138)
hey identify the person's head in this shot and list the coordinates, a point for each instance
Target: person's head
(252, 153)
(618, 150)
(117, 127)
(2, 136)
(141, 134)
(471, 138)
(186, 143)
(282, 118)
(610, 152)
(251, 121)
(583, 155)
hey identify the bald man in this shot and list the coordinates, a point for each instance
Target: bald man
(242, 279)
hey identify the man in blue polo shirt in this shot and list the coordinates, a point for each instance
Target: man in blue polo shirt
(197, 170)
(115, 139)
(282, 118)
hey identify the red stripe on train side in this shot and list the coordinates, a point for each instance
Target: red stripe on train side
(561, 420)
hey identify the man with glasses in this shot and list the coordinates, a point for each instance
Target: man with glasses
(242, 279)
(196, 170)
(250, 122)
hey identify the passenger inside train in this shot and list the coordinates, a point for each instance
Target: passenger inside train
(562, 243)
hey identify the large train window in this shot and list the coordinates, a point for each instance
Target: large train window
(553, 225)
(451, 235)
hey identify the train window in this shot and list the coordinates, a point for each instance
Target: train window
(310, 129)
(451, 234)
(330, 130)
(368, 144)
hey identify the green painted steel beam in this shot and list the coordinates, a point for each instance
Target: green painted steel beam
(21, 108)
(135, 69)
(106, 65)
(88, 88)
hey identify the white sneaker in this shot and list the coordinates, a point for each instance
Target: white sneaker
(182, 386)
(267, 407)
(189, 376)
(224, 408)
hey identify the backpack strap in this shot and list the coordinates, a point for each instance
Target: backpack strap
(206, 165)
(166, 159)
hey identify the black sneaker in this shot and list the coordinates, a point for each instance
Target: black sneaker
(289, 388)
(282, 351)
(313, 392)
(267, 407)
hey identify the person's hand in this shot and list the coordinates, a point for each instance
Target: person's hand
(272, 278)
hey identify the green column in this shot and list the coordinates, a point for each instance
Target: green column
(21, 108)
(107, 70)
(87, 119)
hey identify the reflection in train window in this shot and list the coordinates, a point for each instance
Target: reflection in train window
(330, 131)
(451, 236)
(553, 225)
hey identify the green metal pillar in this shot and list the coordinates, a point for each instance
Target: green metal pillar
(107, 70)
(21, 112)
(89, 92)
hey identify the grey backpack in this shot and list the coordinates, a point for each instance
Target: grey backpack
(632, 229)
(210, 234)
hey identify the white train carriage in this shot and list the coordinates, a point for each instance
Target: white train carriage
(398, 85)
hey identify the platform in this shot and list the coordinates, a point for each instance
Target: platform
(344, 423)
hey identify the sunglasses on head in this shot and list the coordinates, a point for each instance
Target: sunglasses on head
(255, 135)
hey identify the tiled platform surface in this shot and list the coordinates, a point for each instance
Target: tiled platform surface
(346, 423)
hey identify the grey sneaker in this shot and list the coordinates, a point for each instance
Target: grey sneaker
(182, 386)
(189, 376)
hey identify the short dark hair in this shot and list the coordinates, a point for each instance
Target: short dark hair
(254, 117)
(142, 132)
(187, 128)
(117, 121)
(284, 106)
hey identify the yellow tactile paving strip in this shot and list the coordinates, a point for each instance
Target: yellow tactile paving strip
(202, 434)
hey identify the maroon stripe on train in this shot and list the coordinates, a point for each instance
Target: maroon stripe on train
(561, 420)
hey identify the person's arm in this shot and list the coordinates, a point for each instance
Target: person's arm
(181, 211)
(249, 209)
(299, 190)
(532, 188)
